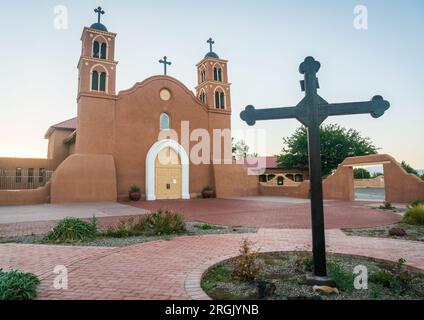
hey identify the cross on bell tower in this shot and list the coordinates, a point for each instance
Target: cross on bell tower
(311, 112)
(99, 12)
(165, 64)
(211, 43)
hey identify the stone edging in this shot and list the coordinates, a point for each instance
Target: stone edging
(192, 283)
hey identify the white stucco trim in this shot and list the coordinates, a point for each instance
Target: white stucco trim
(151, 170)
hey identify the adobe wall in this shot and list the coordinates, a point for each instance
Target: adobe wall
(377, 182)
(84, 178)
(137, 128)
(339, 186)
(232, 180)
(13, 163)
(57, 151)
(25, 197)
(301, 190)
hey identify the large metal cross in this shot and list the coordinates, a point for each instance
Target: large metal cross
(311, 112)
(99, 12)
(165, 64)
(211, 42)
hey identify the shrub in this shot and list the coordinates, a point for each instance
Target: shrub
(206, 226)
(163, 222)
(395, 277)
(158, 223)
(246, 266)
(304, 262)
(16, 285)
(71, 230)
(414, 215)
(416, 202)
(344, 280)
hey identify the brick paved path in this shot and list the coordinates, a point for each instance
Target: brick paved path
(266, 214)
(158, 270)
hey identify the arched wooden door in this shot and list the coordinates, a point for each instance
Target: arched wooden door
(168, 174)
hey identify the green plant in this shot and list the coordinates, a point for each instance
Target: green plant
(344, 280)
(16, 285)
(304, 262)
(375, 293)
(71, 230)
(387, 206)
(246, 266)
(382, 277)
(164, 222)
(414, 215)
(416, 202)
(395, 277)
(135, 188)
(206, 226)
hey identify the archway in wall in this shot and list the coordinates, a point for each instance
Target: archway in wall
(167, 171)
(369, 183)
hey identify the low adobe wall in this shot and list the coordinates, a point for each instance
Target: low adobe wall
(85, 178)
(377, 182)
(232, 180)
(300, 190)
(25, 197)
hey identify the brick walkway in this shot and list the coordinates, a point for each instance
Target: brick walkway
(158, 270)
(266, 214)
(250, 213)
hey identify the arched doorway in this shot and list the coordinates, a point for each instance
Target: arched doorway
(167, 171)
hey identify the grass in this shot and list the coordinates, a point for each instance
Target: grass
(71, 230)
(286, 271)
(413, 232)
(15, 285)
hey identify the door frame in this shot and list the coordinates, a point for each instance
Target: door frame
(151, 168)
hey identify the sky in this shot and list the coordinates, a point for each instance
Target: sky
(264, 41)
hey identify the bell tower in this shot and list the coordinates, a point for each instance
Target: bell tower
(97, 65)
(213, 88)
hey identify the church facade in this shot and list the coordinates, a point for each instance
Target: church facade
(145, 136)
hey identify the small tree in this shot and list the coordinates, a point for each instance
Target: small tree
(240, 149)
(337, 143)
(408, 168)
(361, 173)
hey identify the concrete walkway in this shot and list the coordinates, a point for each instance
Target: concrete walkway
(172, 269)
(53, 212)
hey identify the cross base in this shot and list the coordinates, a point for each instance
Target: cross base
(314, 280)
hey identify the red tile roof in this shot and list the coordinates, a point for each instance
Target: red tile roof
(261, 162)
(70, 124)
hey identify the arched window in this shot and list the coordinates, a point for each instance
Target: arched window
(203, 75)
(219, 100)
(280, 181)
(95, 81)
(102, 86)
(96, 49)
(202, 97)
(298, 178)
(103, 51)
(165, 122)
(219, 74)
(215, 74)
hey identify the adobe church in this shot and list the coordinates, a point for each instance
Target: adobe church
(113, 142)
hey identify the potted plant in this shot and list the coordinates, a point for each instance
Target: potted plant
(135, 194)
(208, 192)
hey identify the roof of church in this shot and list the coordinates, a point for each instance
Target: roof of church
(99, 26)
(70, 124)
(211, 54)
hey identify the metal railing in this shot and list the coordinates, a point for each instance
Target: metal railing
(26, 182)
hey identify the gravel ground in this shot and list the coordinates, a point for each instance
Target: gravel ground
(193, 228)
(282, 269)
(415, 233)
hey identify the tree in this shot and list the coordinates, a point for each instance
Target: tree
(337, 143)
(408, 168)
(240, 149)
(361, 173)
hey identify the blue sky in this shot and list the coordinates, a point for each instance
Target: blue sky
(264, 42)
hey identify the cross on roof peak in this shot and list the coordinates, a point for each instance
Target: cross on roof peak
(165, 63)
(211, 42)
(99, 12)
